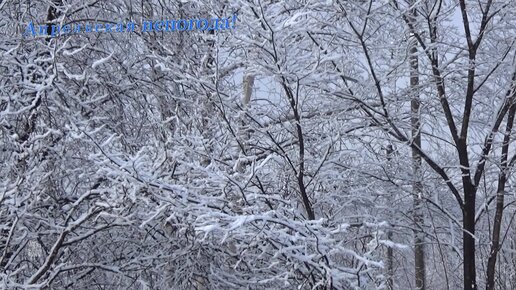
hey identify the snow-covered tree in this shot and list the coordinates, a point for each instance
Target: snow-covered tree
(304, 148)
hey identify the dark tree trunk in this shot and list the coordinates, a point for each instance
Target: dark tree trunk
(502, 179)
(470, 276)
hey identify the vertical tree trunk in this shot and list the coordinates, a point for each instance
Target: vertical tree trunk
(390, 252)
(495, 239)
(417, 185)
(470, 276)
(390, 264)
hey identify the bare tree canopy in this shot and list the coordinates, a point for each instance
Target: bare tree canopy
(250, 144)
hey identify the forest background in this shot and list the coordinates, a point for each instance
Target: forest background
(320, 145)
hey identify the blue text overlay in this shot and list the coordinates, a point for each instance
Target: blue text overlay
(145, 26)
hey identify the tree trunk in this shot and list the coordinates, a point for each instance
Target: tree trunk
(390, 252)
(495, 239)
(470, 276)
(417, 185)
(390, 262)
